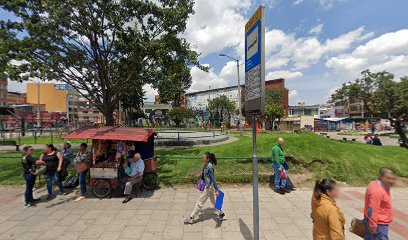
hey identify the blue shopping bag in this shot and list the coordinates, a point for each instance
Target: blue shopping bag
(219, 201)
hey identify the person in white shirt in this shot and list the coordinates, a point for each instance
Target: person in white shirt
(134, 168)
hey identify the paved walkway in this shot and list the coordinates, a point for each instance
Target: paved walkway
(158, 215)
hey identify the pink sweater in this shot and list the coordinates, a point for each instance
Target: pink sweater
(377, 207)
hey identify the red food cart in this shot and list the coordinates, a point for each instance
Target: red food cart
(108, 144)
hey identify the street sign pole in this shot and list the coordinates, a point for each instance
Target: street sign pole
(255, 91)
(255, 180)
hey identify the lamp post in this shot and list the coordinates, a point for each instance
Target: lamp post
(239, 90)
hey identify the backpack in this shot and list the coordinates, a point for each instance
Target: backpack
(72, 181)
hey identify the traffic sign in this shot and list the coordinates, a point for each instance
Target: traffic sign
(255, 62)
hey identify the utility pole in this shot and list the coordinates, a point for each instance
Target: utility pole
(38, 105)
(239, 91)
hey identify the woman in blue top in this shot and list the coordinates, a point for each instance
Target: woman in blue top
(210, 185)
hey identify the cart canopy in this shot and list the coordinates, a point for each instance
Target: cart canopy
(111, 133)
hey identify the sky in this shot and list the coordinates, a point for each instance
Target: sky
(315, 45)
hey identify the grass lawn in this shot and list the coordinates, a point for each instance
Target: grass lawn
(351, 162)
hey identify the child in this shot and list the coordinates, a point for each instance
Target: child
(28, 161)
(210, 184)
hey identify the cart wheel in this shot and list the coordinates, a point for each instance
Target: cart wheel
(101, 188)
(151, 181)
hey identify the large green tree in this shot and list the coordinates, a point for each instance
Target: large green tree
(273, 105)
(382, 96)
(102, 48)
(221, 105)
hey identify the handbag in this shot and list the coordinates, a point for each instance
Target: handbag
(357, 227)
(81, 167)
(38, 170)
(201, 185)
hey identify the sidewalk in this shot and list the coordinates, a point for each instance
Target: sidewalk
(159, 215)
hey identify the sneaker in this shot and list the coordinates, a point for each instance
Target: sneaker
(220, 216)
(49, 197)
(80, 198)
(27, 205)
(280, 191)
(64, 193)
(286, 190)
(189, 220)
(36, 200)
(127, 199)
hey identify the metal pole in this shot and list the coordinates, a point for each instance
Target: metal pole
(255, 181)
(67, 107)
(239, 100)
(38, 106)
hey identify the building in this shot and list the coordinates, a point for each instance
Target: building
(56, 98)
(199, 100)
(3, 91)
(16, 98)
(304, 110)
(87, 112)
(296, 123)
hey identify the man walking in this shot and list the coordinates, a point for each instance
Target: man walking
(377, 207)
(135, 173)
(278, 161)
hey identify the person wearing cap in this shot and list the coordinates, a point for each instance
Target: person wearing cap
(67, 152)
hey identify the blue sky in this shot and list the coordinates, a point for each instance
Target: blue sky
(314, 44)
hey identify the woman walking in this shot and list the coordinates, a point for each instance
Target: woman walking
(328, 220)
(28, 161)
(208, 177)
(53, 160)
(82, 157)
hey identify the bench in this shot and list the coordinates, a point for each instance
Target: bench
(10, 143)
(349, 139)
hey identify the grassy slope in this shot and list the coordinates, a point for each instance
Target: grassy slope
(350, 162)
(354, 163)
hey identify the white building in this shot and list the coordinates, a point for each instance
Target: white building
(199, 100)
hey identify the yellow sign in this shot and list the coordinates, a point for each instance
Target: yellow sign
(257, 16)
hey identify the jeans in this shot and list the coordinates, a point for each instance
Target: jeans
(82, 182)
(279, 183)
(381, 234)
(30, 181)
(52, 176)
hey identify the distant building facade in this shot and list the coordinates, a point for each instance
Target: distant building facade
(56, 98)
(87, 111)
(199, 100)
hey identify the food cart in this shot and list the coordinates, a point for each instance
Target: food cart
(108, 146)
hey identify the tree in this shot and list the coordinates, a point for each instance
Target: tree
(101, 48)
(381, 96)
(273, 105)
(221, 105)
(179, 114)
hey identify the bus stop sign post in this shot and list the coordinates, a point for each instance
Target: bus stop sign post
(255, 91)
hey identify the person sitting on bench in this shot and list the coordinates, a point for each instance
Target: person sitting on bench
(134, 168)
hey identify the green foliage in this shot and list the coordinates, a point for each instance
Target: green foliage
(273, 106)
(381, 95)
(101, 48)
(221, 104)
(180, 114)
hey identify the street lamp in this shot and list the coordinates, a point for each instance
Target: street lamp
(239, 90)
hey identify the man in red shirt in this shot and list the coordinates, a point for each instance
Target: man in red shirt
(377, 207)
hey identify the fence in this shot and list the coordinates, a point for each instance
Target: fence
(185, 135)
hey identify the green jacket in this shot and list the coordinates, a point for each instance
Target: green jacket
(277, 154)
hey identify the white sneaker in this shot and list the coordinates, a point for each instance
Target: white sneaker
(189, 220)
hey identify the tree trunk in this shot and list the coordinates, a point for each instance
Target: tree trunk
(400, 131)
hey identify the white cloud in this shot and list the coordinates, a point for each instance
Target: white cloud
(387, 52)
(327, 4)
(203, 80)
(317, 29)
(217, 24)
(293, 94)
(283, 74)
(297, 2)
(149, 93)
